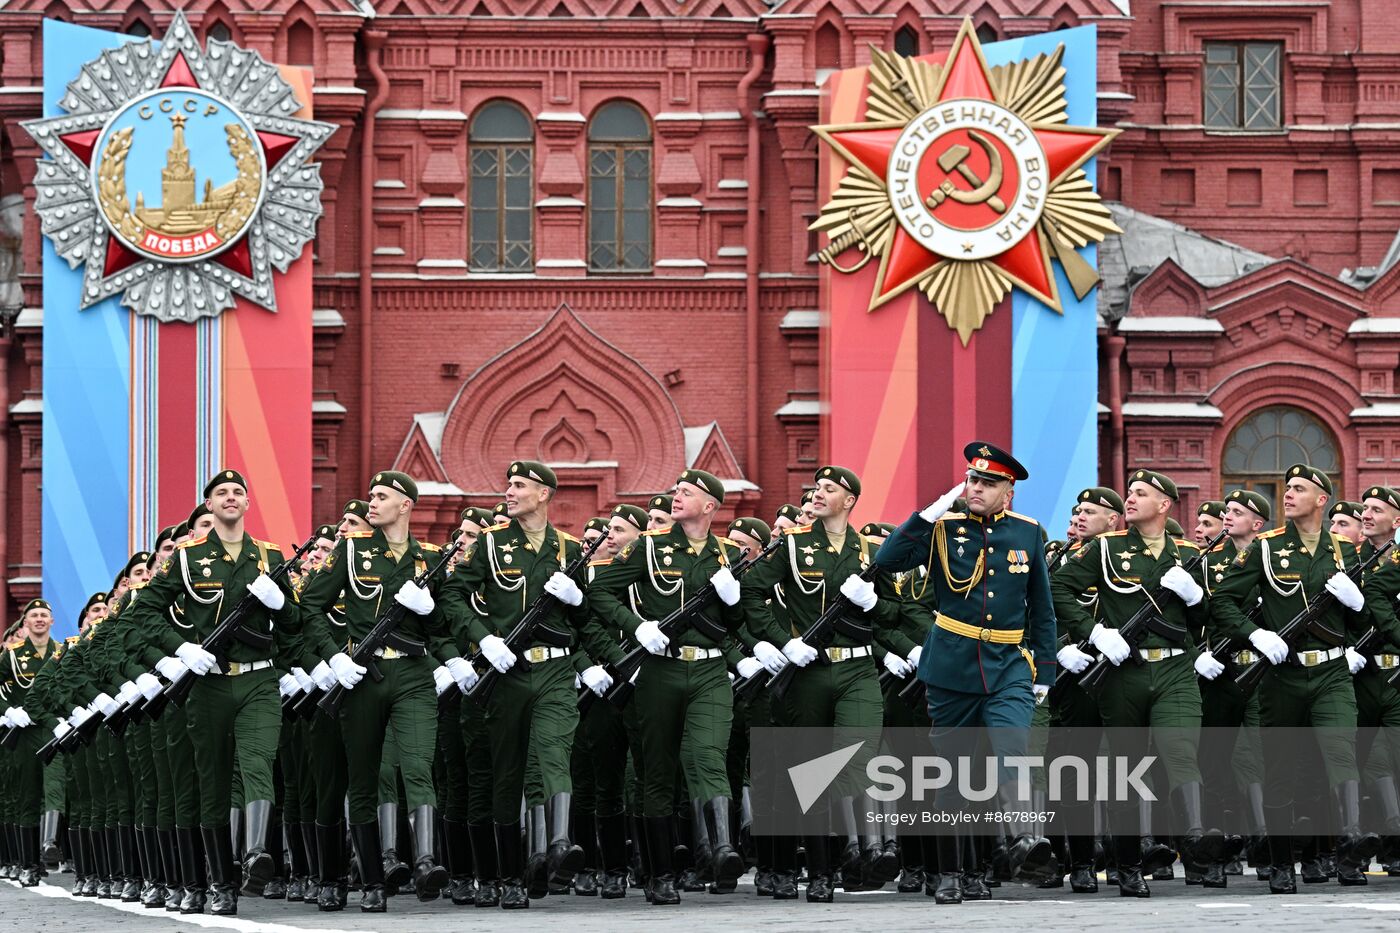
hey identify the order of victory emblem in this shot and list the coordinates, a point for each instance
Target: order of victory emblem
(964, 181)
(177, 176)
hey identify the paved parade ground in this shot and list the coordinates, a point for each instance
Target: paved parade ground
(1173, 906)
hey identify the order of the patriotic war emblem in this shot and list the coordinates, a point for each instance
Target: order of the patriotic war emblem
(178, 177)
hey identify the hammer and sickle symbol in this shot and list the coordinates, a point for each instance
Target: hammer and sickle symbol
(983, 192)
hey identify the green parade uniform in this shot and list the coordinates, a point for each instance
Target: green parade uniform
(233, 712)
(1317, 690)
(533, 708)
(19, 667)
(1160, 689)
(682, 692)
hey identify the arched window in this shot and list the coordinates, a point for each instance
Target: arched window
(502, 193)
(1269, 441)
(138, 28)
(219, 30)
(987, 33)
(906, 42)
(301, 44)
(619, 190)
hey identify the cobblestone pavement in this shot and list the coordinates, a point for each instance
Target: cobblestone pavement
(1173, 906)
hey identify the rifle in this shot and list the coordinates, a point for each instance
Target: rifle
(817, 635)
(531, 624)
(909, 689)
(688, 614)
(230, 627)
(385, 635)
(1308, 621)
(11, 738)
(1225, 649)
(1146, 620)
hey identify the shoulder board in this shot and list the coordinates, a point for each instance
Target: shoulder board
(1024, 518)
(71, 640)
(137, 586)
(797, 529)
(1220, 546)
(870, 540)
(566, 536)
(947, 515)
(11, 645)
(360, 534)
(1273, 533)
(1338, 540)
(195, 542)
(268, 545)
(1112, 534)
(601, 562)
(429, 547)
(1182, 542)
(729, 541)
(657, 531)
(501, 527)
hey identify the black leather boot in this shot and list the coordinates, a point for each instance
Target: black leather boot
(258, 867)
(395, 869)
(1083, 879)
(170, 868)
(1200, 846)
(726, 863)
(1130, 867)
(486, 865)
(783, 855)
(612, 854)
(192, 873)
(1384, 792)
(820, 886)
(536, 875)
(1281, 880)
(429, 878)
(225, 874)
(461, 887)
(948, 889)
(300, 874)
(29, 864)
(334, 885)
(129, 871)
(1028, 853)
(311, 893)
(586, 882)
(77, 857)
(514, 895)
(563, 859)
(366, 838)
(155, 873)
(276, 887)
(662, 890)
(1354, 847)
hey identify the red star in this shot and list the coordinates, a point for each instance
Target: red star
(907, 260)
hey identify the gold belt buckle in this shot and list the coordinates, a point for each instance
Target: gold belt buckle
(390, 654)
(1154, 654)
(985, 635)
(836, 654)
(535, 655)
(1310, 659)
(688, 652)
(234, 668)
(1390, 660)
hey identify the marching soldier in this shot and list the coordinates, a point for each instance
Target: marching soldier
(19, 667)
(1289, 567)
(1346, 521)
(991, 651)
(1210, 521)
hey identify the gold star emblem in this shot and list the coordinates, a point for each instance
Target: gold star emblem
(808, 550)
(668, 549)
(1284, 553)
(508, 548)
(205, 562)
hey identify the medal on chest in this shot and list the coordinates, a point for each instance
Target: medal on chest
(809, 560)
(507, 557)
(666, 552)
(961, 540)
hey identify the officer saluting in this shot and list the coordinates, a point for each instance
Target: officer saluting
(992, 647)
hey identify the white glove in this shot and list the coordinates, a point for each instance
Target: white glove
(1355, 661)
(747, 667)
(172, 669)
(1341, 586)
(267, 592)
(104, 704)
(1040, 691)
(497, 652)
(563, 588)
(18, 717)
(649, 636)
(304, 679)
(149, 685)
(726, 587)
(799, 652)
(860, 592)
(80, 715)
(770, 657)
(128, 694)
(1110, 643)
(442, 679)
(942, 504)
(1207, 666)
(323, 675)
(62, 729)
(914, 655)
(198, 660)
(596, 679)
(463, 673)
(287, 685)
(1074, 660)
(896, 665)
(1184, 585)
(346, 670)
(5, 720)
(414, 598)
(1269, 645)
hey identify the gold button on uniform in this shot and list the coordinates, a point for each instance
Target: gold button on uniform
(989, 617)
(991, 572)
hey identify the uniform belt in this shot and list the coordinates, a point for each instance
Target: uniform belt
(693, 653)
(540, 653)
(836, 655)
(1159, 654)
(386, 653)
(1247, 657)
(1314, 658)
(1385, 662)
(996, 635)
(243, 667)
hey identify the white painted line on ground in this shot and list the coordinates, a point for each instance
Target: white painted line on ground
(45, 889)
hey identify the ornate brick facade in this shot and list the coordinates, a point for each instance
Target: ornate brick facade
(709, 354)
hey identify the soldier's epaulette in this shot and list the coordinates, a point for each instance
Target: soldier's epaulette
(432, 548)
(71, 640)
(1220, 546)
(360, 534)
(947, 515)
(1182, 542)
(729, 541)
(797, 529)
(600, 562)
(267, 545)
(12, 645)
(566, 536)
(1024, 518)
(657, 531)
(194, 542)
(136, 586)
(501, 527)
(1272, 533)
(1111, 534)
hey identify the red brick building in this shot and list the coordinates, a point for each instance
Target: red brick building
(576, 230)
